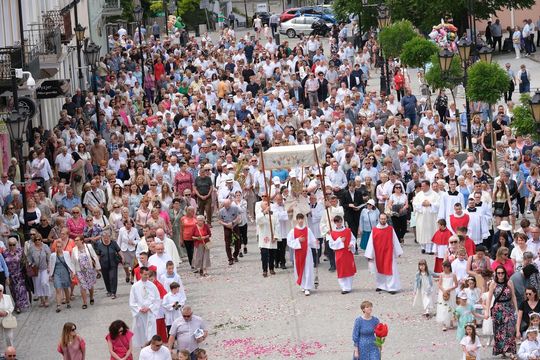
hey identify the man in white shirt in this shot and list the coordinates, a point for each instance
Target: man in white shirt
(64, 163)
(5, 187)
(156, 350)
(336, 176)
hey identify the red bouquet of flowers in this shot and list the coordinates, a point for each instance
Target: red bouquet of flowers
(381, 331)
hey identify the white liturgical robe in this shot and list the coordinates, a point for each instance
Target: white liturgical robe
(144, 294)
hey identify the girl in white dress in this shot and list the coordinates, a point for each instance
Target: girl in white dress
(487, 324)
(474, 295)
(470, 344)
(423, 288)
(446, 301)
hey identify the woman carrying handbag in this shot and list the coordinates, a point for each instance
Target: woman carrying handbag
(87, 266)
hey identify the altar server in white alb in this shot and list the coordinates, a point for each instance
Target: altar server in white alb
(343, 242)
(383, 249)
(301, 240)
(145, 304)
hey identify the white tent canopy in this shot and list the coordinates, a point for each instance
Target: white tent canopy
(282, 157)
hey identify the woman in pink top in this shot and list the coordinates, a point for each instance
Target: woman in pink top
(119, 341)
(76, 224)
(503, 259)
(71, 345)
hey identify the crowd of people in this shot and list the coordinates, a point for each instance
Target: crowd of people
(173, 156)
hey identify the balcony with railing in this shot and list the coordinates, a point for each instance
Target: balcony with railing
(112, 8)
(11, 57)
(48, 41)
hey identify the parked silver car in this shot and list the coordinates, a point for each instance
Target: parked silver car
(298, 25)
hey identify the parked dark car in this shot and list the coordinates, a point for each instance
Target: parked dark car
(264, 16)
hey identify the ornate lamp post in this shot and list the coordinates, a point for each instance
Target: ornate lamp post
(383, 20)
(534, 103)
(79, 37)
(139, 17)
(91, 53)
(16, 124)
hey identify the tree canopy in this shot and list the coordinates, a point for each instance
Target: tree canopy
(437, 80)
(393, 37)
(417, 52)
(486, 82)
(424, 15)
(523, 122)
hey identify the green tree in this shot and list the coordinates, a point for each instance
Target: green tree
(523, 122)
(417, 52)
(424, 15)
(367, 15)
(393, 37)
(486, 82)
(439, 80)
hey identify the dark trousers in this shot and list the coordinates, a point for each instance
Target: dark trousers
(227, 234)
(538, 38)
(3, 280)
(528, 47)
(330, 254)
(280, 252)
(204, 207)
(497, 39)
(318, 252)
(274, 29)
(400, 225)
(267, 259)
(400, 93)
(189, 249)
(521, 204)
(243, 234)
(533, 46)
(110, 278)
(508, 94)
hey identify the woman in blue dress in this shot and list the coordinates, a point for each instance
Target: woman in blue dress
(364, 334)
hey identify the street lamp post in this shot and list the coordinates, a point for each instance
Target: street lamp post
(79, 37)
(383, 20)
(534, 103)
(139, 16)
(17, 124)
(91, 53)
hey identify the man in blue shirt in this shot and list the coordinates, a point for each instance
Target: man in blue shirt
(409, 106)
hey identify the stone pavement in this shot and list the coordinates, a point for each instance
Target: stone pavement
(251, 317)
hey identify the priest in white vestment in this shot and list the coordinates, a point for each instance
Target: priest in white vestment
(301, 240)
(382, 250)
(426, 208)
(159, 259)
(145, 303)
(267, 236)
(170, 248)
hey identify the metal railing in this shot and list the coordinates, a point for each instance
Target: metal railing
(11, 57)
(111, 4)
(47, 40)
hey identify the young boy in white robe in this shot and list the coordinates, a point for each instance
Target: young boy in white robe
(171, 276)
(172, 304)
(302, 240)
